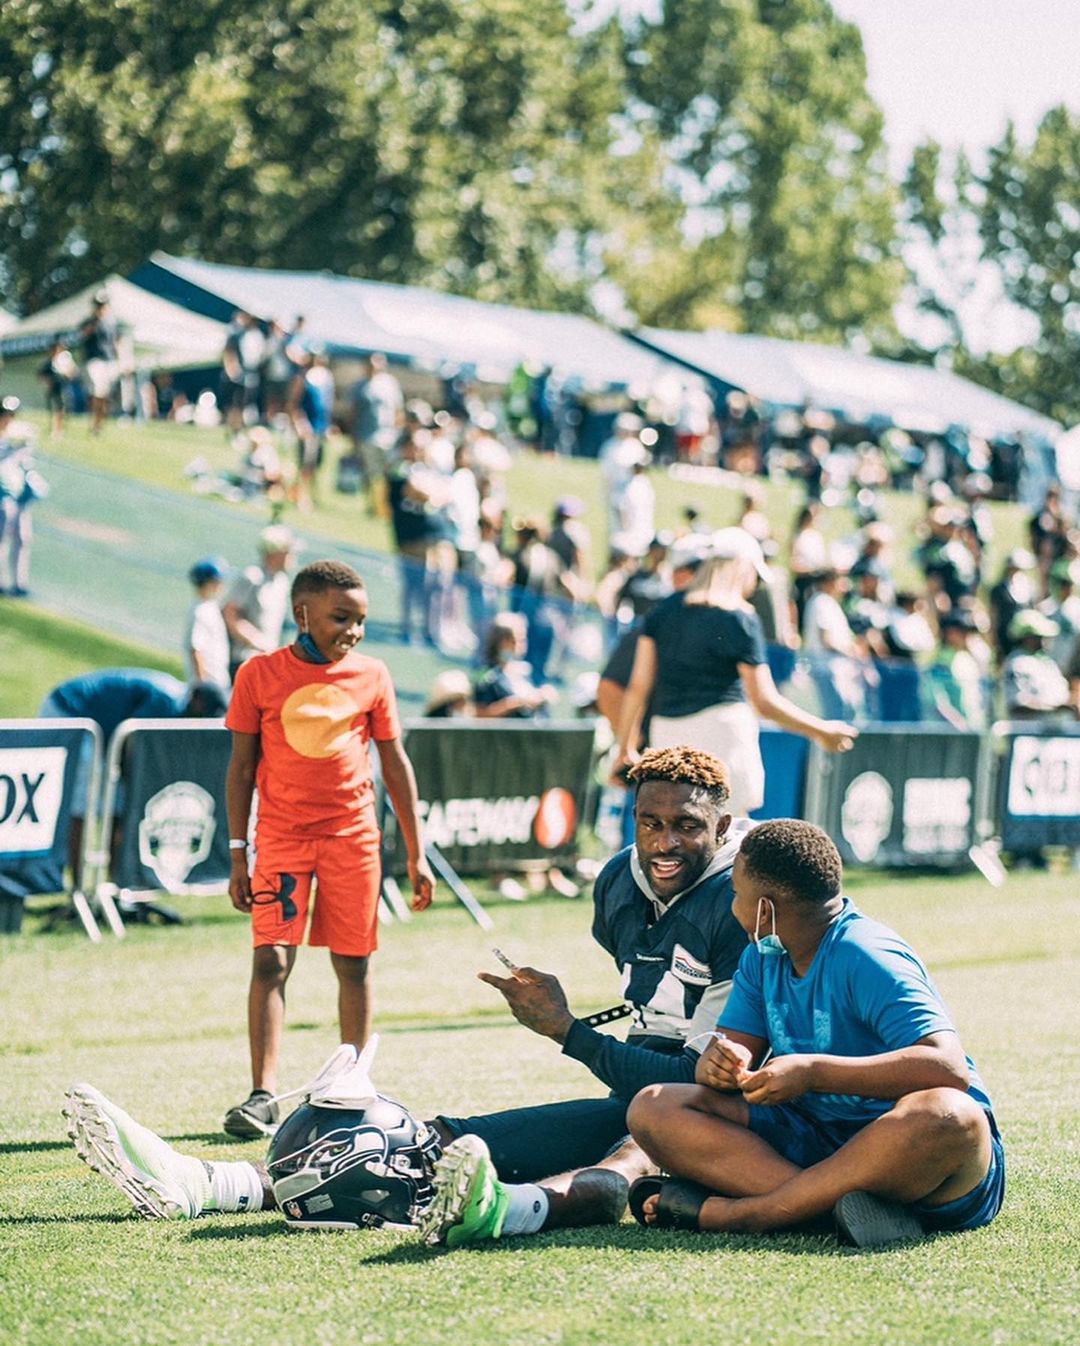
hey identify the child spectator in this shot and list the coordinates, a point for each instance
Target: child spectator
(57, 373)
(302, 717)
(206, 638)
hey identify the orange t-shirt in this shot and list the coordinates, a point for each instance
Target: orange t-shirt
(314, 722)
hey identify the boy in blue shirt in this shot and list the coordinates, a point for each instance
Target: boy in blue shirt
(836, 1080)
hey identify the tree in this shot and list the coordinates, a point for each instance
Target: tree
(463, 144)
(764, 109)
(1018, 218)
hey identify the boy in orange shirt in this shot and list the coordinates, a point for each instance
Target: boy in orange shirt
(301, 719)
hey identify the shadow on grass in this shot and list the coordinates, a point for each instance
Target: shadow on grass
(124, 1217)
(33, 1146)
(246, 1229)
(626, 1238)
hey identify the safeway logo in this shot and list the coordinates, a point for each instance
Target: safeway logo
(556, 818)
(31, 788)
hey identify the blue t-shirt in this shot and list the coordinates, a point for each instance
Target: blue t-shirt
(698, 653)
(113, 695)
(865, 992)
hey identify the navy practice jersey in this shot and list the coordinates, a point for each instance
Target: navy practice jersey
(676, 970)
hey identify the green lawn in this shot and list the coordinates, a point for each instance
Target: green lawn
(38, 650)
(157, 1022)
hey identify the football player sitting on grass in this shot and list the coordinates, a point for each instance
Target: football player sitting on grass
(836, 1080)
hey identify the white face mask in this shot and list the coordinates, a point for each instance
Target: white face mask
(768, 945)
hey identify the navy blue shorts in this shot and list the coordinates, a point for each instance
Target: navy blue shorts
(806, 1141)
(528, 1144)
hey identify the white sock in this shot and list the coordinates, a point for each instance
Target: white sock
(234, 1187)
(528, 1208)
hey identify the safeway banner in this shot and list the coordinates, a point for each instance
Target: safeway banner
(494, 796)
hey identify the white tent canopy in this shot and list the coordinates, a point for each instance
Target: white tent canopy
(164, 335)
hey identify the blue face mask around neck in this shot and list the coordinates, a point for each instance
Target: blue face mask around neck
(769, 946)
(307, 644)
(314, 654)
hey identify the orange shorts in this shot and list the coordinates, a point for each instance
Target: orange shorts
(348, 874)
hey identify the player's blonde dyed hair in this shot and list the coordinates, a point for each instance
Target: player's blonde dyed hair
(684, 766)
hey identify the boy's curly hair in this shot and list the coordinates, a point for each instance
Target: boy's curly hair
(319, 576)
(796, 856)
(686, 766)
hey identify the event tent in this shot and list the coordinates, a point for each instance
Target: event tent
(425, 328)
(855, 387)
(164, 335)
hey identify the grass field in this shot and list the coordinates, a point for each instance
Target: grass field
(157, 1022)
(38, 650)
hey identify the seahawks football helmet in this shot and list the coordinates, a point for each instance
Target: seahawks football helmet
(360, 1168)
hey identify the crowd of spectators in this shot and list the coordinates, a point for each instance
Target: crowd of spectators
(843, 636)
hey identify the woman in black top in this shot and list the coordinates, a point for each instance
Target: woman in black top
(701, 659)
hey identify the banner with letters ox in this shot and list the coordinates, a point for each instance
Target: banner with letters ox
(904, 795)
(174, 833)
(1039, 795)
(496, 796)
(38, 768)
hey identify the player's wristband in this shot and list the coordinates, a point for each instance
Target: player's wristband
(235, 844)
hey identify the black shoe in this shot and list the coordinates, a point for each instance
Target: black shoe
(256, 1116)
(869, 1221)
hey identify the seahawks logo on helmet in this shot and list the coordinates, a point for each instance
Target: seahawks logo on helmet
(367, 1168)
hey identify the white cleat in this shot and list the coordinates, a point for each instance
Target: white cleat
(160, 1183)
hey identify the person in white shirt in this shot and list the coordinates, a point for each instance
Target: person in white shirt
(828, 641)
(637, 510)
(206, 639)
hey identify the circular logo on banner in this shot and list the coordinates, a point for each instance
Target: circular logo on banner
(866, 814)
(556, 818)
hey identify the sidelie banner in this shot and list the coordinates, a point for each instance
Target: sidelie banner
(494, 796)
(1039, 790)
(174, 832)
(904, 795)
(42, 765)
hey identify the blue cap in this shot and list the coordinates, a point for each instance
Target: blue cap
(202, 572)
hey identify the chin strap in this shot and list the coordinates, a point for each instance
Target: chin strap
(608, 1016)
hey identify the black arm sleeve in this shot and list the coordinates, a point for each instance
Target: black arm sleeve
(623, 1068)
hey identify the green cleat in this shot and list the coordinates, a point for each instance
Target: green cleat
(158, 1181)
(470, 1202)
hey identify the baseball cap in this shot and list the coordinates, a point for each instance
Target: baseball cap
(1020, 558)
(628, 422)
(959, 620)
(687, 553)
(210, 568)
(730, 544)
(452, 685)
(276, 538)
(570, 507)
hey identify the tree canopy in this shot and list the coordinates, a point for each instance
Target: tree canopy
(720, 160)
(1018, 218)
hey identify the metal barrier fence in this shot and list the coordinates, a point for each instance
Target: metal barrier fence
(504, 796)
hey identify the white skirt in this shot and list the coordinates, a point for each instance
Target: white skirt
(728, 732)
